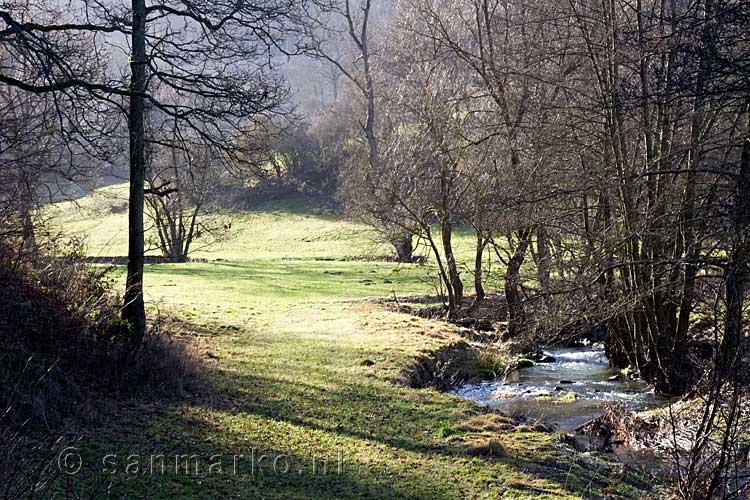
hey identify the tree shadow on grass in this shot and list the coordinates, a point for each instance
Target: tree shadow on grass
(368, 413)
(396, 442)
(203, 470)
(183, 454)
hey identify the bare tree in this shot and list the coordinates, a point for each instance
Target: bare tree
(41, 157)
(218, 64)
(519, 66)
(183, 176)
(353, 21)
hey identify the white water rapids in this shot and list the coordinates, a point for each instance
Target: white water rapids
(574, 389)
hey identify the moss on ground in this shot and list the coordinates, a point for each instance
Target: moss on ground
(560, 397)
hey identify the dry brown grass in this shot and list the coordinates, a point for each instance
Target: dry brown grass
(61, 350)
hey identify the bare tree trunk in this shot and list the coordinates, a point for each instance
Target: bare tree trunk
(27, 221)
(441, 270)
(516, 315)
(369, 127)
(358, 33)
(29, 238)
(277, 170)
(191, 230)
(541, 258)
(450, 259)
(478, 287)
(687, 243)
(133, 310)
(738, 267)
(404, 248)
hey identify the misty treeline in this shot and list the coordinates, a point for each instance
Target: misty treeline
(598, 149)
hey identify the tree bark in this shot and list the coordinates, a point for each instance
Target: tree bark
(450, 259)
(133, 310)
(541, 258)
(404, 249)
(738, 267)
(441, 270)
(516, 315)
(27, 221)
(29, 238)
(369, 127)
(478, 286)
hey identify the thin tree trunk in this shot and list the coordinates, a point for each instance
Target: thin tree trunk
(27, 221)
(441, 269)
(516, 315)
(450, 259)
(736, 274)
(478, 287)
(191, 230)
(541, 258)
(133, 310)
(686, 237)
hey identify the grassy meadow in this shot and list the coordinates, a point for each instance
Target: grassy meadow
(299, 367)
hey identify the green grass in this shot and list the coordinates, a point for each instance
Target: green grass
(296, 365)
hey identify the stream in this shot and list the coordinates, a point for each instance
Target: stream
(568, 392)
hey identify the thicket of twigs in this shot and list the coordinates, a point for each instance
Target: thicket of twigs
(64, 358)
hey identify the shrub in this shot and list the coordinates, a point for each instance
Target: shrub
(63, 347)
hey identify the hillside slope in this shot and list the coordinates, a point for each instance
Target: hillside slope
(301, 371)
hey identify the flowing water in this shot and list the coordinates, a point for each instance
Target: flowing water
(569, 392)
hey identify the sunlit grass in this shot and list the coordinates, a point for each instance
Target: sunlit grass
(297, 364)
(289, 228)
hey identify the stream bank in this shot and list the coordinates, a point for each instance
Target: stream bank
(576, 386)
